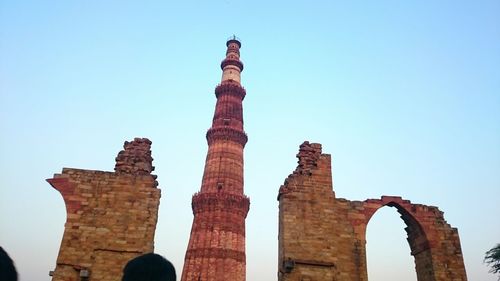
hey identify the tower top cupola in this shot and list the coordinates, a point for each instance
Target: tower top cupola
(233, 39)
(232, 66)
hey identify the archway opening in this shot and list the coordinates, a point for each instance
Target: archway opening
(388, 253)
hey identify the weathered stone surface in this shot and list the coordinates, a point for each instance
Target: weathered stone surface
(111, 217)
(323, 238)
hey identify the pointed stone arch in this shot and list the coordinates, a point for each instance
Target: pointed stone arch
(416, 234)
(434, 244)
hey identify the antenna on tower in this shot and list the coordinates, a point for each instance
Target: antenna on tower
(233, 38)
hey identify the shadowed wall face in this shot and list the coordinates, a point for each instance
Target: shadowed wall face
(111, 216)
(323, 238)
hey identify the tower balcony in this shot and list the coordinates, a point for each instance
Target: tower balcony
(230, 88)
(231, 61)
(226, 133)
(211, 202)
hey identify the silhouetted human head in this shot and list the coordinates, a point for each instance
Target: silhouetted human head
(149, 267)
(7, 269)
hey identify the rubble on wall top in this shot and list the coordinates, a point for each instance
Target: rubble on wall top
(135, 158)
(309, 154)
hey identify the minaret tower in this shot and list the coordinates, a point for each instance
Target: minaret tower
(216, 249)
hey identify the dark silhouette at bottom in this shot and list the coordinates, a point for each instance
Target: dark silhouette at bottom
(149, 267)
(7, 269)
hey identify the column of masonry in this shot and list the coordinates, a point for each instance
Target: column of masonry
(216, 249)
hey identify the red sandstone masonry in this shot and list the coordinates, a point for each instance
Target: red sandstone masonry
(216, 249)
(111, 217)
(323, 238)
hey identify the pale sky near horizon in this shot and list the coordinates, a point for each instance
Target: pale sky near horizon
(405, 96)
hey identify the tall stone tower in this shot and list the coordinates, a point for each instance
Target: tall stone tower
(216, 249)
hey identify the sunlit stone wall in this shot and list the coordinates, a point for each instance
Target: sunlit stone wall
(111, 216)
(323, 238)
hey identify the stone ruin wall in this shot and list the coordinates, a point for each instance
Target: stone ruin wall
(111, 216)
(323, 238)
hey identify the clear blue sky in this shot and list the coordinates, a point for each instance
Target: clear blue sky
(405, 95)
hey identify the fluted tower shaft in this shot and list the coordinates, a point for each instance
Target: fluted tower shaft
(216, 249)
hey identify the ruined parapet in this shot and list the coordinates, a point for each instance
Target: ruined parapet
(313, 168)
(323, 238)
(309, 154)
(111, 216)
(136, 158)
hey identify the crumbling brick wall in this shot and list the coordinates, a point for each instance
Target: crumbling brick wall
(323, 238)
(111, 216)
